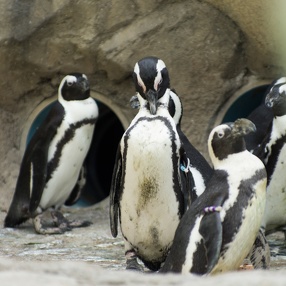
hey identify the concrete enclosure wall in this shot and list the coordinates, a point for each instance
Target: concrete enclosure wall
(211, 48)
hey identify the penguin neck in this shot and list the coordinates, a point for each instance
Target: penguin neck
(162, 103)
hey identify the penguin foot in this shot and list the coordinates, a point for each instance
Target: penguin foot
(132, 263)
(65, 224)
(60, 221)
(39, 228)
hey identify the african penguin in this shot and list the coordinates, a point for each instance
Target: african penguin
(199, 167)
(51, 171)
(220, 227)
(273, 153)
(147, 190)
(262, 118)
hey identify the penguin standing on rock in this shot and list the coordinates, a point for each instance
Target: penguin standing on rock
(220, 227)
(273, 153)
(51, 171)
(148, 186)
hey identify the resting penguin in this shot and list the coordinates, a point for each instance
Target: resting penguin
(199, 167)
(51, 170)
(221, 225)
(147, 189)
(273, 154)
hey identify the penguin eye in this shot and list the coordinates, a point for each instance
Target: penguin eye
(69, 83)
(220, 134)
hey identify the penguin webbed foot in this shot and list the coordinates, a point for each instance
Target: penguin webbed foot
(66, 225)
(132, 263)
(39, 228)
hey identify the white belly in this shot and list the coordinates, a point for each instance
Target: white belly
(239, 248)
(148, 207)
(64, 178)
(275, 212)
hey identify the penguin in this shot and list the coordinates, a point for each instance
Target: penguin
(199, 167)
(52, 172)
(148, 184)
(220, 227)
(272, 152)
(262, 117)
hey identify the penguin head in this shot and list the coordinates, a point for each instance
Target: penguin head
(151, 80)
(228, 138)
(276, 97)
(74, 86)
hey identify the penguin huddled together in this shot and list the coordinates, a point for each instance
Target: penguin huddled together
(176, 212)
(52, 171)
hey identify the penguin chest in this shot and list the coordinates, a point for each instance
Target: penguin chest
(245, 221)
(275, 213)
(149, 207)
(66, 156)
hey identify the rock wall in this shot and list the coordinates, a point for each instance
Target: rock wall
(205, 50)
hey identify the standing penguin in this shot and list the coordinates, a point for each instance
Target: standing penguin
(273, 153)
(199, 167)
(220, 227)
(51, 170)
(147, 190)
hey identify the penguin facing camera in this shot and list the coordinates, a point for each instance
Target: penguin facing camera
(52, 172)
(149, 187)
(220, 227)
(199, 167)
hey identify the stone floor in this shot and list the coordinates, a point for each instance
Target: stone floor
(91, 256)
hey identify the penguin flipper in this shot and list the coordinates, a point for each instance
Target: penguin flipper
(38, 150)
(115, 193)
(212, 237)
(32, 169)
(19, 209)
(78, 188)
(188, 182)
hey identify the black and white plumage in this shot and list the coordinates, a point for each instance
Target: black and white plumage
(147, 190)
(273, 153)
(199, 167)
(262, 118)
(220, 227)
(52, 167)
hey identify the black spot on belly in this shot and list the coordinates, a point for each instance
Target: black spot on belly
(148, 190)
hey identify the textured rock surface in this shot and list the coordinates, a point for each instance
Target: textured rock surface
(202, 48)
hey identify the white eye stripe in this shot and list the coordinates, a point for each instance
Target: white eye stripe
(220, 134)
(280, 80)
(139, 79)
(282, 88)
(158, 80)
(70, 79)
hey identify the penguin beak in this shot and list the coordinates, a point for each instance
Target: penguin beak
(242, 126)
(152, 98)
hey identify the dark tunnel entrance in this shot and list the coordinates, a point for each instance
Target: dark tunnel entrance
(244, 104)
(101, 156)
